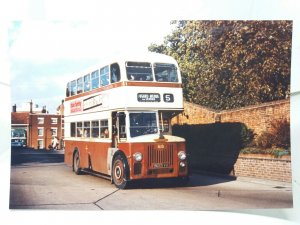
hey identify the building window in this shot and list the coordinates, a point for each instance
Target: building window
(54, 131)
(40, 120)
(54, 120)
(40, 144)
(18, 133)
(40, 131)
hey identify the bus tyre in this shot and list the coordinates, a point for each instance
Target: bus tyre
(119, 172)
(76, 163)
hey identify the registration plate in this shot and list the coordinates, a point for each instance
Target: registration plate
(160, 165)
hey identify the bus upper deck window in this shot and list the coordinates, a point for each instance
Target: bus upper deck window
(73, 88)
(139, 71)
(68, 88)
(79, 85)
(165, 72)
(104, 76)
(87, 82)
(114, 73)
(95, 79)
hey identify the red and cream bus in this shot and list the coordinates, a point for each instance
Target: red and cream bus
(117, 120)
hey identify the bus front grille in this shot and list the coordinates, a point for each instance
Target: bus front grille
(160, 156)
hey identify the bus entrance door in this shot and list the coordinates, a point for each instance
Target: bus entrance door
(118, 128)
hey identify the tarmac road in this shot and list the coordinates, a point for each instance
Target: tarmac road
(40, 180)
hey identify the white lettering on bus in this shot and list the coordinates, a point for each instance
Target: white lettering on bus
(148, 97)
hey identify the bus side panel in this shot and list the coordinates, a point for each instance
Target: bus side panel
(98, 153)
(68, 153)
(70, 146)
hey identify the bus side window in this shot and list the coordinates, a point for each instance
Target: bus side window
(73, 129)
(104, 79)
(114, 73)
(87, 129)
(104, 129)
(95, 128)
(79, 131)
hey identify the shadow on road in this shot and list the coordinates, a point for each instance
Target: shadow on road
(194, 181)
(24, 155)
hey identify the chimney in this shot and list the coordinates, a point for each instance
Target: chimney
(44, 110)
(30, 106)
(14, 108)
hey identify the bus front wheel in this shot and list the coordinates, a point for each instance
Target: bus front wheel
(119, 172)
(76, 163)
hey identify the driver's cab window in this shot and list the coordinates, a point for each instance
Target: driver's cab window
(164, 122)
(164, 125)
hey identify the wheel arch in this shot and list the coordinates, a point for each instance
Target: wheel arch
(76, 149)
(126, 164)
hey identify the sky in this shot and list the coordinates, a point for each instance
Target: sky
(45, 55)
(43, 43)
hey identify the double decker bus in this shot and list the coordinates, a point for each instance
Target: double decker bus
(117, 120)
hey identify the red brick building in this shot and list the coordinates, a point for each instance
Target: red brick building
(36, 129)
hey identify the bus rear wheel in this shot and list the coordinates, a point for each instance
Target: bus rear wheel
(119, 172)
(76, 163)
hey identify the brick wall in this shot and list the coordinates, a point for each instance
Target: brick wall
(257, 117)
(195, 114)
(260, 117)
(278, 169)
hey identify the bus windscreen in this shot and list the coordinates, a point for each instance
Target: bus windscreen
(142, 124)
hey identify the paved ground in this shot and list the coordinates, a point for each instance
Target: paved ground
(40, 180)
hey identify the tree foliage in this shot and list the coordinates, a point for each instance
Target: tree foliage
(229, 64)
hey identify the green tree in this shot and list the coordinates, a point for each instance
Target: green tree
(229, 64)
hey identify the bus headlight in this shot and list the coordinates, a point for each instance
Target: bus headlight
(182, 164)
(138, 156)
(182, 155)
